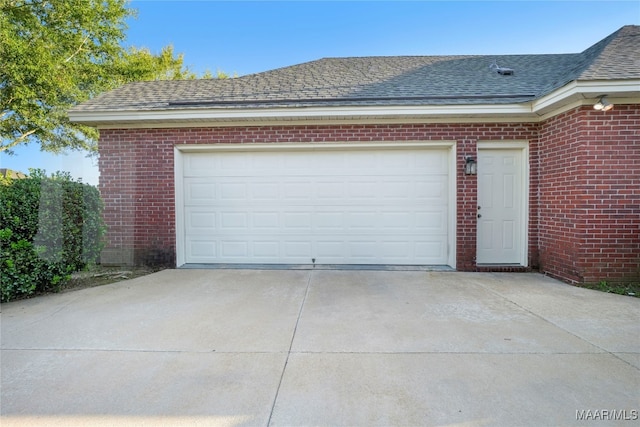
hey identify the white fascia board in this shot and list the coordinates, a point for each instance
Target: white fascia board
(294, 114)
(583, 92)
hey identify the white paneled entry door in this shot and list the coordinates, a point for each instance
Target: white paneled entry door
(502, 201)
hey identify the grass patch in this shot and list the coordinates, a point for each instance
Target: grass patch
(630, 289)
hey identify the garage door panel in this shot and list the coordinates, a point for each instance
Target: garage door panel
(437, 162)
(297, 221)
(329, 190)
(233, 221)
(434, 222)
(432, 190)
(343, 192)
(361, 220)
(397, 220)
(233, 191)
(234, 249)
(363, 160)
(363, 249)
(363, 189)
(302, 190)
(327, 161)
(328, 250)
(201, 221)
(395, 160)
(202, 192)
(199, 191)
(330, 221)
(396, 189)
(229, 164)
(434, 249)
(266, 221)
(266, 250)
(201, 249)
(298, 250)
(265, 191)
(396, 249)
(196, 166)
(340, 207)
(265, 162)
(353, 163)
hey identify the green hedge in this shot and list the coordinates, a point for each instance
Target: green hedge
(49, 228)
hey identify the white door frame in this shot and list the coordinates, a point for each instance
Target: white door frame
(523, 146)
(180, 149)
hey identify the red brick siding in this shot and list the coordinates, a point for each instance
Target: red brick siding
(584, 221)
(137, 180)
(467, 207)
(590, 195)
(559, 211)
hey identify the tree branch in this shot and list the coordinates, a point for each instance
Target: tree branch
(10, 145)
(77, 50)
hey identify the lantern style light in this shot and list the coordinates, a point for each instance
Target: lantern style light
(470, 166)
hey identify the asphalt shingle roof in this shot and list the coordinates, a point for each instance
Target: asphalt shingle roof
(392, 80)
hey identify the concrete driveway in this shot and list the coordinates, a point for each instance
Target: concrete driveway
(322, 347)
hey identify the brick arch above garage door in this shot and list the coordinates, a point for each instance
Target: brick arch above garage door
(390, 203)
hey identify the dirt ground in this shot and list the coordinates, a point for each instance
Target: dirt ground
(101, 275)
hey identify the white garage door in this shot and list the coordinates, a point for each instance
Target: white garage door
(366, 206)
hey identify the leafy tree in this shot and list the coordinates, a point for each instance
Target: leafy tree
(57, 53)
(140, 64)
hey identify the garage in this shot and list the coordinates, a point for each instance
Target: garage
(385, 204)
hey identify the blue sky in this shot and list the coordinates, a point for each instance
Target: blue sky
(245, 37)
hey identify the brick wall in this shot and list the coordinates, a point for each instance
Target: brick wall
(467, 207)
(137, 183)
(589, 199)
(584, 219)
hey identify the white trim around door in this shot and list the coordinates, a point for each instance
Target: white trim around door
(503, 203)
(188, 179)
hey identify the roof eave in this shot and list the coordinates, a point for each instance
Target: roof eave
(294, 115)
(571, 95)
(587, 92)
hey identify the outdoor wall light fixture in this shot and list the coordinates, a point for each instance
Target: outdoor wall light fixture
(470, 166)
(603, 104)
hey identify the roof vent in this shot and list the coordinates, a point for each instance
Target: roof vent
(501, 70)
